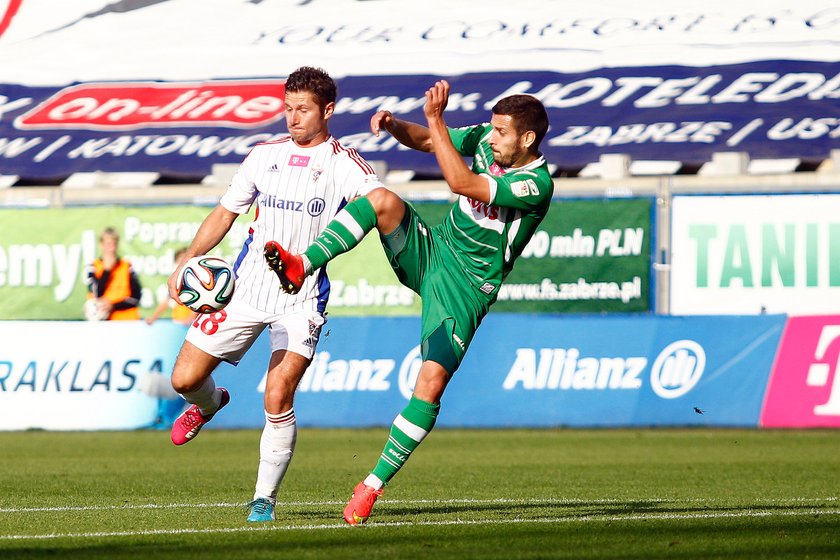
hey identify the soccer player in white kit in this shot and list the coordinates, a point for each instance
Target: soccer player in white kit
(298, 183)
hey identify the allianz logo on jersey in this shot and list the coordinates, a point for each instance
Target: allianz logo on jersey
(313, 207)
(675, 371)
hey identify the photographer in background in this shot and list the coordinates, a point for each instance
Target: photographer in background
(113, 287)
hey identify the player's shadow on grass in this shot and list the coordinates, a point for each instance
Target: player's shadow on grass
(513, 509)
(581, 509)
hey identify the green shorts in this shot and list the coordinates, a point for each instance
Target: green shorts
(452, 308)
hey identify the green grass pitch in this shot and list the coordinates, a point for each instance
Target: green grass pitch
(660, 493)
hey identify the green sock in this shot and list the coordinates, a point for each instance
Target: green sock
(409, 428)
(344, 232)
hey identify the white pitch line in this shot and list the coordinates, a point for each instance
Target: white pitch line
(568, 519)
(280, 505)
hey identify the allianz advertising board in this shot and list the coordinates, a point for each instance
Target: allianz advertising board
(521, 370)
(533, 370)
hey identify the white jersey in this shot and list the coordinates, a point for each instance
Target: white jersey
(297, 191)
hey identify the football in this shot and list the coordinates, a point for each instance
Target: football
(206, 284)
(94, 311)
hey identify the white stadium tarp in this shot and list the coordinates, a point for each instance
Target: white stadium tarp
(117, 85)
(49, 42)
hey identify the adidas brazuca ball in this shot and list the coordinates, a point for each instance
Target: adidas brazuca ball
(206, 284)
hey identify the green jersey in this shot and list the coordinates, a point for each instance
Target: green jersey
(487, 238)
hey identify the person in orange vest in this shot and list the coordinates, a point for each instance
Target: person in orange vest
(180, 312)
(113, 287)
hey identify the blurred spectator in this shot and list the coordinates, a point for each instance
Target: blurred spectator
(113, 288)
(180, 312)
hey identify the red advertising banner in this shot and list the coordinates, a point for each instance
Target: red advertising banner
(804, 389)
(127, 106)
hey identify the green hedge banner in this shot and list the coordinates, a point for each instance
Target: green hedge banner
(588, 256)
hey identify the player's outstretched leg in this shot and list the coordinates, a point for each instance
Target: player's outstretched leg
(288, 267)
(187, 426)
(344, 232)
(361, 504)
(410, 427)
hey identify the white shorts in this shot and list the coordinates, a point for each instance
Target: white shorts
(229, 333)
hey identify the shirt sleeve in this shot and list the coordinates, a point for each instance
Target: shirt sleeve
(357, 176)
(523, 190)
(466, 138)
(242, 191)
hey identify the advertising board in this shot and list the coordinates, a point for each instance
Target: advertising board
(521, 371)
(746, 254)
(534, 370)
(588, 255)
(652, 80)
(804, 390)
(57, 375)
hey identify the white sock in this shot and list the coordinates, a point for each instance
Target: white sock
(374, 482)
(277, 444)
(307, 266)
(206, 397)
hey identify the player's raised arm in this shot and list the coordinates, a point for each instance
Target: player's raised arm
(410, 134)
(459, 177)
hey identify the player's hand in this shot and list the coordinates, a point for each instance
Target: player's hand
(172, 283)
(380, 120)
(436, 98)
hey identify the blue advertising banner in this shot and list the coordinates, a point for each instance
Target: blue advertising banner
(767, 108)
(533, 370)
(521, 371)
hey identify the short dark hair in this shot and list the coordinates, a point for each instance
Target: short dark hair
(315, 80)
(528, 113)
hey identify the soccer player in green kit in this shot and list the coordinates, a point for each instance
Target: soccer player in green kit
(456, 267)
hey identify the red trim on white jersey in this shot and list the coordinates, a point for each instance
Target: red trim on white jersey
(354, 156)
